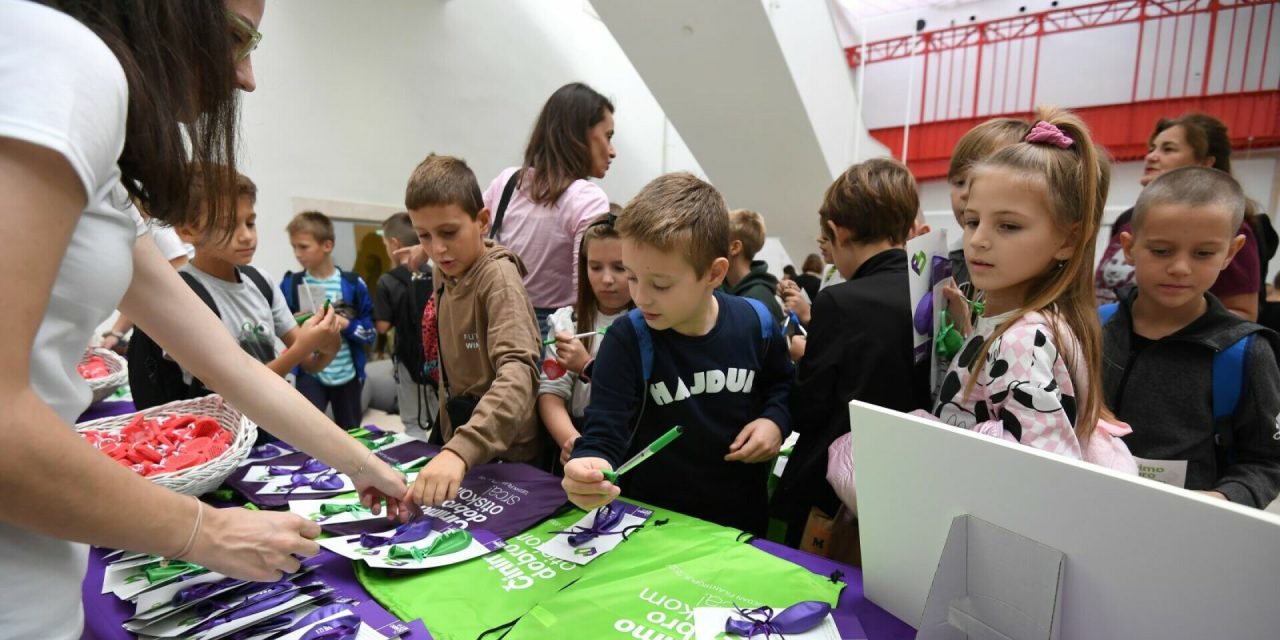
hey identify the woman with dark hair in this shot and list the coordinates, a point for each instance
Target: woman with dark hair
(1195, 139)
(551, 202)
(810, 278)
(97, 102)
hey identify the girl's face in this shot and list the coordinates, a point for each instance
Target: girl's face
(607, 275)
(1169, 151)
(600, 145)
(1010, 238)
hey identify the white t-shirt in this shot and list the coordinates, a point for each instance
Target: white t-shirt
(61, 88)
(570, 386)
(169, 244)
(252, 321)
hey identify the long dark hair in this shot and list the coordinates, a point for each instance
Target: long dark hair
(587, 307)
(558, 150)
(179, 60)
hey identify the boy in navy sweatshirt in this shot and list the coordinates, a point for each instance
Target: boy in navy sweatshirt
(1202, 418)
(720, 370)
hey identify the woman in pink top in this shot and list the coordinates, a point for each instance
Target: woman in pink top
(552, 202)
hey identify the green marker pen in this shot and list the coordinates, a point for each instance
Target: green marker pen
(550, 341)
(612, 476)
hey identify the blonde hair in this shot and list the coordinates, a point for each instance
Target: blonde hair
(984, 140)
(677, 211)
(1074, 182)
(747, 226)
(317, 224)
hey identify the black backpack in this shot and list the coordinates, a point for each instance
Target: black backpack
(406, 317)
(153, 378)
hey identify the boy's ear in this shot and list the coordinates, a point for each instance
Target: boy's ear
(327, 246)
(1126, 243)
(717, 271)
(1232, 249)
(839, 235)
(735, 247)
(482, 217)
(188, 233)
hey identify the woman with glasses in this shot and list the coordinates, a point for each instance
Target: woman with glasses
(102, 102)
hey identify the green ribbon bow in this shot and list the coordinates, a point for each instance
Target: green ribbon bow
(412, 465)
(373, 444)
(330, 509)
(159, 573)
(449, 542)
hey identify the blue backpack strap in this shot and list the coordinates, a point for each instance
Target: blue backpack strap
(1228, 377)
(1107, 310)
(646, 342)
(767, 325)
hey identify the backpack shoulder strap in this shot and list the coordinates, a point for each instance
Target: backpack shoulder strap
(646, 342)
(767, 325)
(201, 291)
(1107, 310)
(295, 281)
(265, 287)
(502, 203)
(1228, 376)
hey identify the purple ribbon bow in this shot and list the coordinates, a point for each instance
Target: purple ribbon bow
(202, 591)
(310, 466)
(267, 451)
(343, 628)
(797, 618)
(407, 532)
(329, 481)
(607, 517)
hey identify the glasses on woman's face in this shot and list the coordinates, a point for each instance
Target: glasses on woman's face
(247, 38)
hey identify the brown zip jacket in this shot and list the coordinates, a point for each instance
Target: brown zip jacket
(489, 348)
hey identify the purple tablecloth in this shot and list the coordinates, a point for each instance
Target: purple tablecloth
(856, 616)
(106, 409)
(103, 614)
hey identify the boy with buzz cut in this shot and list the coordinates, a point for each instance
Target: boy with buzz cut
(338, 385)
(1199, 385)
(748, 277)
(691, 356)
(484, 326)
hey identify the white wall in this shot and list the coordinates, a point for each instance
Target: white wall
(352, 96)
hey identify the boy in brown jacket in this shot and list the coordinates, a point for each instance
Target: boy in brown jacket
(487, 335)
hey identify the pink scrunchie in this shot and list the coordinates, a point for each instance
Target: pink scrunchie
(1045, 133)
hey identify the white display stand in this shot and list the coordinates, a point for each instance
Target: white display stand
(1143, 560)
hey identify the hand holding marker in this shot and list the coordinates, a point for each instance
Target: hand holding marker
(551, 366)
(579, 336)
(612, 476)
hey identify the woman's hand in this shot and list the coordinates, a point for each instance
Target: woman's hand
(379, 484)
(252, 545)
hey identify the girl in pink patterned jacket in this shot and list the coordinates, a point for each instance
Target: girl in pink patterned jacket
(1025, 372)
(1030, 224)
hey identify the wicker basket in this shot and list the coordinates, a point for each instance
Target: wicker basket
(202, 478)
(118, 377)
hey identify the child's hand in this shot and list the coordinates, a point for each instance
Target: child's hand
(415, 256)
(570, 352)
(586, 486)
(566, 447)
(958, 307)
(317, 331)
(759, 441)
(342, 321)
(798, 344)
(793, 297)
(439, 480)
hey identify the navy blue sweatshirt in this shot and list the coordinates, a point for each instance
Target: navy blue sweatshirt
(712, 385)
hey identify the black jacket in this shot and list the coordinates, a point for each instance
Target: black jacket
(1164, 391)
(761, 285)
(859, 348)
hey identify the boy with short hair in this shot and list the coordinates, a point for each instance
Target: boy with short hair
(1199, 385)
(861, 331)
(485, 327)
(338, 385)
(242, 295)
(747, 276)
(717, 366)
(398, 302)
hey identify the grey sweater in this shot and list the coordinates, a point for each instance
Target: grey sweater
(1164, 391)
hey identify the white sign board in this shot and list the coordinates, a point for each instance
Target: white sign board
(1143, 559)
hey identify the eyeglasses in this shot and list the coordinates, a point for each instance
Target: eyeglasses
(247, 38)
